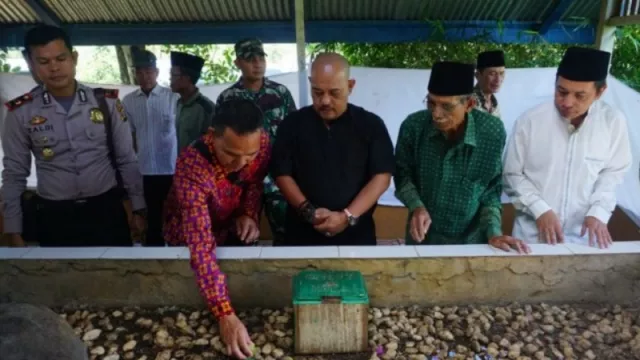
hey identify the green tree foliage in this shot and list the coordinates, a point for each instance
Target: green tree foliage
(218, 66)
(624, 64)
(101, 68)
(4, 65)
(422, 55)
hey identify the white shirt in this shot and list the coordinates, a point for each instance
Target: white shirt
(550, 166)
(153, 120)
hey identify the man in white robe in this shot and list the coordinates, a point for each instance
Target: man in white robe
(564, 160)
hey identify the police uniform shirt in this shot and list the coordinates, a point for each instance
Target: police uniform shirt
(70, 150)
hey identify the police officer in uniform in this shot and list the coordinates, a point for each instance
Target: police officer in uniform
(63, 124)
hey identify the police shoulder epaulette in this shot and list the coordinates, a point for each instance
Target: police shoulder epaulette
(111, 93)
(19, 101)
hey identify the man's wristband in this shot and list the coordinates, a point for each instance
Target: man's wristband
(307, 211)
(141, 212)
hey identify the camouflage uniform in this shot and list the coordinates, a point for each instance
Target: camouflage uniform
(276, 103)
(482, 105)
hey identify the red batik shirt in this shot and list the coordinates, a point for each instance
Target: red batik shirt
(201, 208)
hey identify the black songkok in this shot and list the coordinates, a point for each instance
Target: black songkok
(451, 79)
(584, 64)
(188, 61)
(493, 58)
(143, 59)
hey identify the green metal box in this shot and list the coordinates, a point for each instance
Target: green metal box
(330, 312)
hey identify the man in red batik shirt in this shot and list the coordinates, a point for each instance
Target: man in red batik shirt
(215, 200)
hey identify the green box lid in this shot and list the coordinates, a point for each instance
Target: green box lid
(312, 287)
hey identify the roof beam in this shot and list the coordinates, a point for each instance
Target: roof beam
(44, 13)
(315, 32)
(558, 9)
(624, 20)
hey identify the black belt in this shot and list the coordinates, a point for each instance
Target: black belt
(107, 195)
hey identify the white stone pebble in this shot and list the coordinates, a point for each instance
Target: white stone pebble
(514, 332)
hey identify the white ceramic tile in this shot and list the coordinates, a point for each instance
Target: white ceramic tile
(13, 253)
(143, 253)
(300, 252)
(237, 253)
(455, 250)
(540, 250)
(377, 252)
(622, 247)
(65, 253)
(185, 253)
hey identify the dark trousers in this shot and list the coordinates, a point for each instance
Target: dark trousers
(156, 188)
(96, 221)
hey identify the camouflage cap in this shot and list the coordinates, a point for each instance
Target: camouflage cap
(248, 48)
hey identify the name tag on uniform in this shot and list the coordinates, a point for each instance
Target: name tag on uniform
(40, 128)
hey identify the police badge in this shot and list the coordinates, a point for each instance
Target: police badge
(96, 116)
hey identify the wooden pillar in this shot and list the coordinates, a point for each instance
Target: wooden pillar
(303, 86)
(606, 33)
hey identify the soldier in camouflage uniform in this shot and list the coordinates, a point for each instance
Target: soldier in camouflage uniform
(276, 103)
(490, 75)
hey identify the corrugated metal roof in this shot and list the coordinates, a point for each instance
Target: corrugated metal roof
(585, 9)
(159, 11)
(505, 10)
(16, 12)
(101, 11)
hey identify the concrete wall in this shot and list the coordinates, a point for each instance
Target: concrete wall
(261, 276)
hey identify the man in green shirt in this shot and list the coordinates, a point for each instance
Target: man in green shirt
(194, 111)
(449, 166)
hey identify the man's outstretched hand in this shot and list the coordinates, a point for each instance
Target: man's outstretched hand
(234, 335)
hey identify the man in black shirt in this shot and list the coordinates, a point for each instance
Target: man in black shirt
(332, 161)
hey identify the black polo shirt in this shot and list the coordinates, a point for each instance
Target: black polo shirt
(331, 165)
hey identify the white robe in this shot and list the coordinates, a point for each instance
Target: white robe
(549, 165)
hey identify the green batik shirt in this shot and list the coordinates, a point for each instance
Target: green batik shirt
(276, 103)
(459, 183)
(194, 117)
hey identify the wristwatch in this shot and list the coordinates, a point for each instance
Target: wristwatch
(352, 220)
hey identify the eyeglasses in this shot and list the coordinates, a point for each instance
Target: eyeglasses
(446, 107)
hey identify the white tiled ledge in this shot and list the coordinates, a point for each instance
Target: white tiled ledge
(326, 252)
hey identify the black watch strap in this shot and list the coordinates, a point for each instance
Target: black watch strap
(307, 211)
(140, 212)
